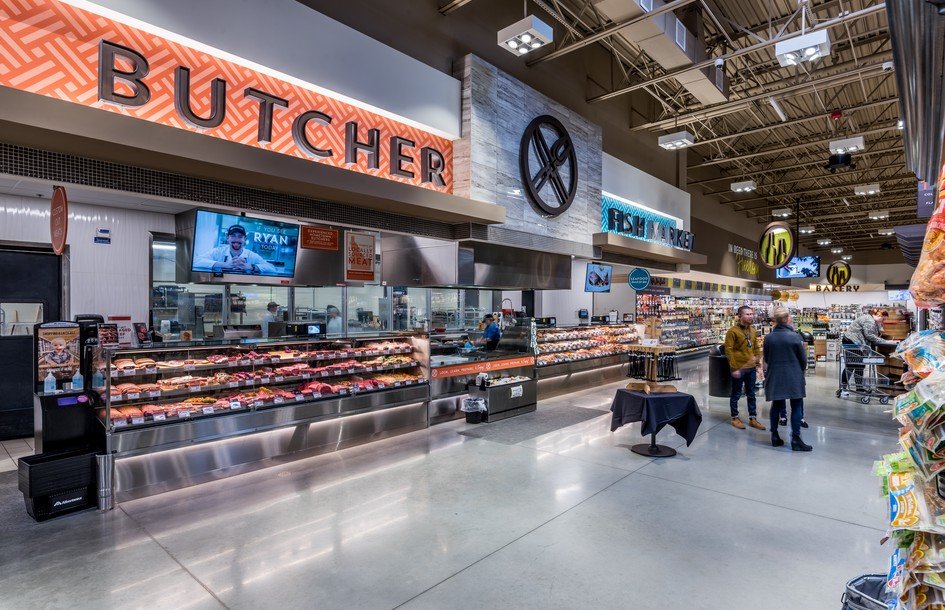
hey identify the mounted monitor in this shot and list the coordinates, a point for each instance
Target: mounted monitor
(244, 246)
(800, 267)
(598, 278)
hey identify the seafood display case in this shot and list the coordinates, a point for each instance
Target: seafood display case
(170, 414)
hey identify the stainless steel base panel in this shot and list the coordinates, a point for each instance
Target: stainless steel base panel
(565, 381)
(146, 474)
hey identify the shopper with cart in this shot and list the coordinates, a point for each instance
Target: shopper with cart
(744, 354)
(863, 331)
(785, 361)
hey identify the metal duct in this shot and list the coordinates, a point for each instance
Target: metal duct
(671, 44)
(918, 40)
(424, 262)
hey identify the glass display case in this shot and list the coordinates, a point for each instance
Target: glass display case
(159, 386)
(182, 414)
(578, 343)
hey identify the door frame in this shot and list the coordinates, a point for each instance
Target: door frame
(65, 309)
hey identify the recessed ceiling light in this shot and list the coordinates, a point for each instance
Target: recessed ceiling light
(806, 47)
(679, 139)
(526, 35)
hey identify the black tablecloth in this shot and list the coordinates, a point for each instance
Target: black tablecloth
(655, 411)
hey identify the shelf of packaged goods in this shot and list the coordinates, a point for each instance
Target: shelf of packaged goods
(150, 437)
(545, 350)
(547, 371)
(323, 356)
(539, 365)
(253, 405)
(160, 395)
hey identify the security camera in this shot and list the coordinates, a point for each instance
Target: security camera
(719, 62)
(888, 66)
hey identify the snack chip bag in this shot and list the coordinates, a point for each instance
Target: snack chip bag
(928, 281)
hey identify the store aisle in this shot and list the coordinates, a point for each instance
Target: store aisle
(436, 518)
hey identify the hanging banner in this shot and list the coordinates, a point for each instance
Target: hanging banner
(58, 50)
(776, 245)
(359, 257)
(59, 220)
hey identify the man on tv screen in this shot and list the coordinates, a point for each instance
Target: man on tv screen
(233, 257)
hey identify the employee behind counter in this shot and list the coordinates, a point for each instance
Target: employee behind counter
(491, 334)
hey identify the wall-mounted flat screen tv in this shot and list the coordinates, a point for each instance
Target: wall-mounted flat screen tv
(232, 244)
(800, 267)
(598, 278)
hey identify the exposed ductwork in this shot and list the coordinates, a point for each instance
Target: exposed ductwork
(918, 37)
(667, 40)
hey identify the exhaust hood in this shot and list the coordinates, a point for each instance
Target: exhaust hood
(425, 262)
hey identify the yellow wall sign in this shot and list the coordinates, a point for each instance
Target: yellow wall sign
(839, 273)
(776, 245)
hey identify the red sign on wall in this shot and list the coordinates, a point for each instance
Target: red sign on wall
(318, 238)
(59, 220)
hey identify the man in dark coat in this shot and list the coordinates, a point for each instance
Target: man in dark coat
(785, 358)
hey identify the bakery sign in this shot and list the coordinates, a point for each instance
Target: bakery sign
(632, 220)
(58, 50)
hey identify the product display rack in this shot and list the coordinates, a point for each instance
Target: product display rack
(694, 323)
(566, 345)
(185, 398)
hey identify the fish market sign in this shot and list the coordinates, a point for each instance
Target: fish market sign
(636, 222)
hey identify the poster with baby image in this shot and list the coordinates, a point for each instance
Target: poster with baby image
(57, 349)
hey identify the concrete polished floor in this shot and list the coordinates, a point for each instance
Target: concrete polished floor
(437, 519)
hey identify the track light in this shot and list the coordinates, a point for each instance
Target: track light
(849, 145)
(680, 139)
(806, 47)
(526, 35)
(866, 189)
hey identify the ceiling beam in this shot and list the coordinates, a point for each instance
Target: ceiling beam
(453, 5)
(873, 201)
(609, 31)
(727, 56)
(898, 149)
(793, 122)
(725, 108)
(790, 147)
(814, 178)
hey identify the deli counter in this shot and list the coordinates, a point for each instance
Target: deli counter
(455, 367)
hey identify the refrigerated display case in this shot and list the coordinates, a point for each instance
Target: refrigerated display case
(572, 349)
(282, 395)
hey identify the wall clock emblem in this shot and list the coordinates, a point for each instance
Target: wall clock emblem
(549, 171)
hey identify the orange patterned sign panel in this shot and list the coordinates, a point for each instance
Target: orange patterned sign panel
(486, 366)
(54, 49)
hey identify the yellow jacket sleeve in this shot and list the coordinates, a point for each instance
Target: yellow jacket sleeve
(730, 348)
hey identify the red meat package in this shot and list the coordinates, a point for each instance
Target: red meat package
(928, 281)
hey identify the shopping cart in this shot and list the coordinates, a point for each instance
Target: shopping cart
(858, 374)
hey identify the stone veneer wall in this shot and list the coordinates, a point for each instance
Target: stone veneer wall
(496, 110)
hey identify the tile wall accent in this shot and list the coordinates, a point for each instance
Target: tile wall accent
(496, 111)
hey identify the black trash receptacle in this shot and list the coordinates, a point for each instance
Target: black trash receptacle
(720, 375)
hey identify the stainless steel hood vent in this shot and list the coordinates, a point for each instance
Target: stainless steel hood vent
(425, 262)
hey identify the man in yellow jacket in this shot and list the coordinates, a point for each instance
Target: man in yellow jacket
(744, 354)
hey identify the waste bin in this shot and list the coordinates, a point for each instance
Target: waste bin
(720, 375)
